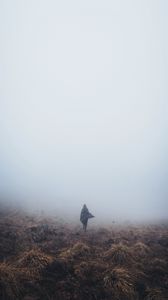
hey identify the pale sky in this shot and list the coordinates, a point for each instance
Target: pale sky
(83, 105)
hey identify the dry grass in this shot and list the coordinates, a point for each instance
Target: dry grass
(33, 262)
(9, 283)
(119, 254)
(159, 265)
(119, 263)
(141, 250)
(77, 251)
(90, 271)
(155, 294)
(120, 284)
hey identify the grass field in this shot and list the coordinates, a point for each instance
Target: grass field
(43, 258)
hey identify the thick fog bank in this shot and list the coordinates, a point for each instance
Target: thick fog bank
(83, 107)
(105, 213)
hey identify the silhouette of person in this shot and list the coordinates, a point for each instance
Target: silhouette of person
(84, 216)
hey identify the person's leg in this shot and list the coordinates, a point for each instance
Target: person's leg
(86, 225)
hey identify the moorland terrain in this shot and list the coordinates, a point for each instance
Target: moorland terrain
(44, 258)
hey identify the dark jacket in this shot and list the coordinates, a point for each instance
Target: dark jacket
(85, 215)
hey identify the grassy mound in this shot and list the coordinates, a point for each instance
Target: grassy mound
(119, 254)
(34, 261)
(77, 251)
(90, 271)
(120, 284)
(140, 250)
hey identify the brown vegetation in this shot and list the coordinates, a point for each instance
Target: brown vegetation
(119, 283)
(78, 250)
(43, 259)
(119, 254)
(9, 282)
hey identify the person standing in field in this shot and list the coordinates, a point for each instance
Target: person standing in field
(84, 216)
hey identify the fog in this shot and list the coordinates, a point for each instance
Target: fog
(83, 107)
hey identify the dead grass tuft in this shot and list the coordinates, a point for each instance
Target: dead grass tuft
(90, 272)
(119, 254)
(33, 262)
(120, 284)
(77, 251)
(154, 294)
(141, 250)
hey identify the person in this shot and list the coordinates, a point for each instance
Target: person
(84, 216)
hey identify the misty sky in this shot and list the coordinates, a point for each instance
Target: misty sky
(83, 105)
